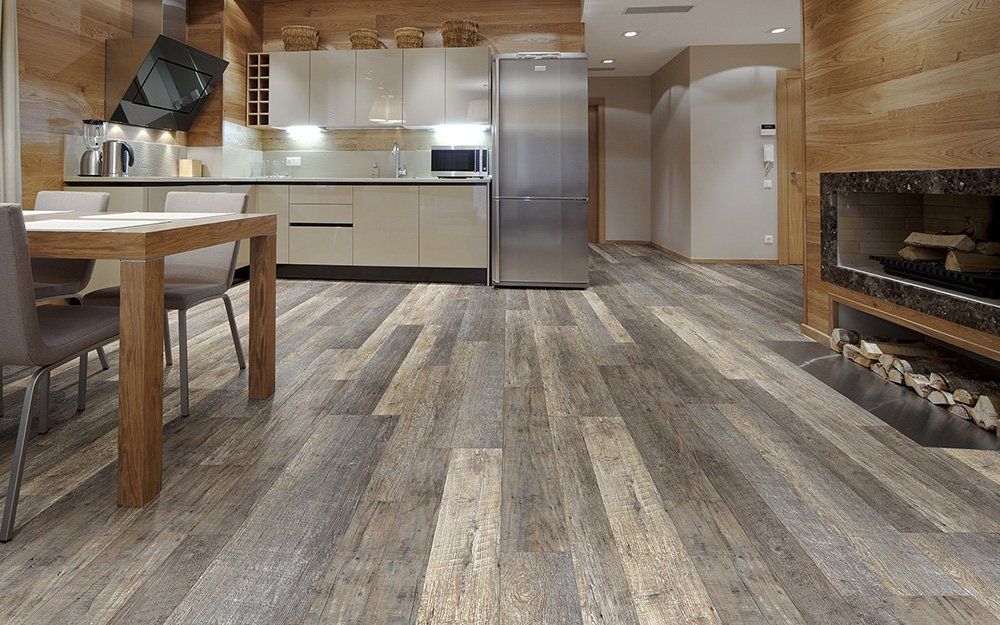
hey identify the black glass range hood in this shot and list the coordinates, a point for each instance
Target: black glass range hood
(158, 82)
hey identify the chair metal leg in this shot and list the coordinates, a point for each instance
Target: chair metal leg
(17, 463)
(166, 339)
(236, 333)
(1, 391)
(103, 358)
(43, 391)
(81, 386)
(182, 338)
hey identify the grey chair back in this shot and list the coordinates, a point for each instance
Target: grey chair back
(20, 336)
(210, 265)
(72, 272)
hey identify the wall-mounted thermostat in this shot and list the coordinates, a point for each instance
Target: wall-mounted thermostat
(768, 130)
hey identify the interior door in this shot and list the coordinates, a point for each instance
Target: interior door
(791, 168)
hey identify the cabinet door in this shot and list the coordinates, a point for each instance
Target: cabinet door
(379, 83)
(386, 226)
(423, 86)
(331, 88)
(320, 245)
(123, 200)
(289, 89)
(467, 85)
(272, 199)
(454, 226)
(156, 197)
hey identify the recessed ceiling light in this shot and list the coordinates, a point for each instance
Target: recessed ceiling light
(630, 33)
(778, 30)
(608, 61)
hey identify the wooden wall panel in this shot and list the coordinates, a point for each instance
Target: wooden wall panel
(507, 25)
(61, 46)
(895, 84)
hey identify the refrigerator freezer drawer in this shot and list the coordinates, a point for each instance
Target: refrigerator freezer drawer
(540, 243)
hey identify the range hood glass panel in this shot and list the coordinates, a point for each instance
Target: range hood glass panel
(170, 86)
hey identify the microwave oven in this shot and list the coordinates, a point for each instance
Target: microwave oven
(460, 161)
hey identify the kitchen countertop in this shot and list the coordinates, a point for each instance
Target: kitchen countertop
(140, 181)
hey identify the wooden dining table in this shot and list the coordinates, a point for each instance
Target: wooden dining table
(141, 250)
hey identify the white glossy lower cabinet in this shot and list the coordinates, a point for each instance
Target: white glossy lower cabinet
(387, 226)
(320, 245)
(454, 226)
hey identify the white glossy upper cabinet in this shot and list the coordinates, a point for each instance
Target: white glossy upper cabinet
(289, 90)
(331, 88)
(467, 85)
(423, 86)
(379, 100)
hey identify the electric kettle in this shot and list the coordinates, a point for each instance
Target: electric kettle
(117, 157)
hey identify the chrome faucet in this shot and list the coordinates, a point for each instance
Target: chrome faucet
(400, 170)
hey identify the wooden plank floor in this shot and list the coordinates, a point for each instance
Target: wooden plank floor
(440, 454)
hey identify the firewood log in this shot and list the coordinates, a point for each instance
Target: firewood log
(919, 383)
(985, 414)
(962, 411)
(971, 262)
(870, 349)
(903, 366)
(886, 361)
(879, 370)
(961, 242)
(963, 396)
(895, 348)
(941, 398)
(938, 382)
(990, 248)
(895, 376)
(853, 352)
(842, 336)
(912, 252)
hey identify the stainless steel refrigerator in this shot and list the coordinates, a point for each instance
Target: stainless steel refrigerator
(540, 186)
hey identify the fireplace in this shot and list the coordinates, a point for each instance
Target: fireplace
(867, 219)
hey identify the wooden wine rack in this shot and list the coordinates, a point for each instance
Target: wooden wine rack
(258, 89)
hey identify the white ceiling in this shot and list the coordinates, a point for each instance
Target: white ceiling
(663, 36)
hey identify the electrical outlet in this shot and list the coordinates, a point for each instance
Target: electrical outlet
(768, 239)
(293, 161)
(768, 184)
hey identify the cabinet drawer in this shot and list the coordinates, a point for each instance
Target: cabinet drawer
(320, 245)
(321, 194)
(321, 213)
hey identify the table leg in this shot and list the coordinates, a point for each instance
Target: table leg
(140, 383)
(262, 313)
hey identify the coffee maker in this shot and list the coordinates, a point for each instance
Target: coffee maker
(94, 131)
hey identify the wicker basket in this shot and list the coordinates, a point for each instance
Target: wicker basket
(409, 37)
(365, 39)
(299, 38)
(460, 33)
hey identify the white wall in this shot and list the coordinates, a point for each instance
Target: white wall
(671, 155)
(626, 155)
(708, 196)
(733, 93)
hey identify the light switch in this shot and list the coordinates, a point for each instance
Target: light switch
(293, 161)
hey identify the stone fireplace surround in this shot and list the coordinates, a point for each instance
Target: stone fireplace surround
(970, 312)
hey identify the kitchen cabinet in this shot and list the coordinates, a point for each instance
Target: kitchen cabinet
(272, 199)
(289, 89)
(123, 200)
(454, 226)
(331, 88)
(321, 194)
(379, 88)
(386, 226)
(340, 214)
(467, 85)
(156, 197)
(423, 86)
(320, 245)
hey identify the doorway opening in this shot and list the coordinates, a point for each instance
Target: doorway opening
(596, 216)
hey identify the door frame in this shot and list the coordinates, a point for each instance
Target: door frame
(785, 136)
(601, 168)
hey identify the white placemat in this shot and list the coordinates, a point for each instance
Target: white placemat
(152, 216)
(36, 215)
(83, 225)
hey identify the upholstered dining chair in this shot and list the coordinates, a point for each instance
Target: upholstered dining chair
(39, 336)
(57, 278)
(193, 278)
